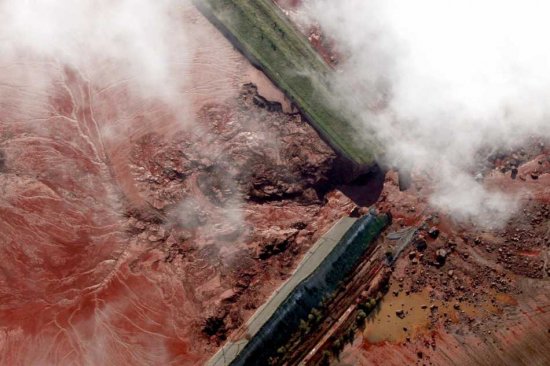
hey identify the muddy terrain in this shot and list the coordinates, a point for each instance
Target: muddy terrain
(459, 293)
(133, 233)
(462, 294)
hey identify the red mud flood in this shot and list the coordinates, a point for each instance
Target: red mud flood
(118, 238)
(486, 302)
(136, 233)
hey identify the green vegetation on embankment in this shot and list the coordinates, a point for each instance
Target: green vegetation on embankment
(260, 30)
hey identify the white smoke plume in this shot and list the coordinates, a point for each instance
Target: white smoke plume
(143, 41)
(138, 47)
(439, 80)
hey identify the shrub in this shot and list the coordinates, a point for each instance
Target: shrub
(361, 316)
(304, 327)
(325, 358)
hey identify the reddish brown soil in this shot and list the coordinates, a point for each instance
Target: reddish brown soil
(135, 234)
(487, 301)
(131, 235)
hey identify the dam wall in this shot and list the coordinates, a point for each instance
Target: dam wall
(318, 276)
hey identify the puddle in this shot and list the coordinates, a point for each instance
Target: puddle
(385, 325)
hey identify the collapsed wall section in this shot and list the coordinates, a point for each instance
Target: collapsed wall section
(262, 32)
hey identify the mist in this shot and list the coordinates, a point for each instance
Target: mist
(139, 42)
(144, 49)
(439, 82)
(129, 58)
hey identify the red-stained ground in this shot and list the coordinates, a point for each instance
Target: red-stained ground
(132, 233)
(488, 303)
(490, 298)
(135, 234)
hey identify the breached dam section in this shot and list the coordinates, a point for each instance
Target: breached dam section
(261, 31)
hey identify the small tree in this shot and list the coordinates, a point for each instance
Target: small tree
(360, 319)
(337, 346)
(304, 327)
(325, 358)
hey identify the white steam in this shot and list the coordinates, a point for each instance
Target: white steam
(138, 40)
(136, 50)
(439, 80)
